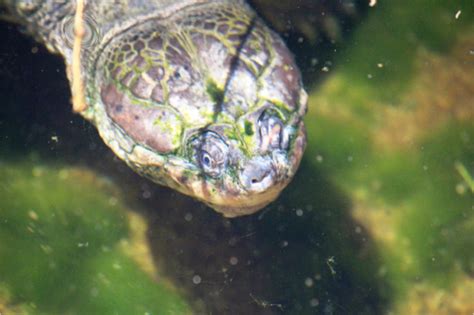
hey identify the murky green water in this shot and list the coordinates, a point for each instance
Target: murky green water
(379, 219)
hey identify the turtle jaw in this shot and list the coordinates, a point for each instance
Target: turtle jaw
(228, 196)
(235, 206)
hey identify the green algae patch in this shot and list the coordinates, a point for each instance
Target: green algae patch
(60, 231)
(411, 198)
(440, 209)
(337, 144)
(381, 54)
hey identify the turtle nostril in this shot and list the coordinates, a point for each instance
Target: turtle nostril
(258, 175)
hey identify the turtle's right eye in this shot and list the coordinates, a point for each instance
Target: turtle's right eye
(212, 153)
(206, 159)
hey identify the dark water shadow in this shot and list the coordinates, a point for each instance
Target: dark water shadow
(303, 254)
(315, 31)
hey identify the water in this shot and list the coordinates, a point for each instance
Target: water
(378, 220)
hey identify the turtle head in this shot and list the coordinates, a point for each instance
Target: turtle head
(207, 101)
(239, 170)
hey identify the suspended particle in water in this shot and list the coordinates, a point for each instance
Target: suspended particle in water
(117, 266)
(113, 201)
(461, 189)
(263, 303)
(331, 262)
(33, 215)
(197, 279)
(94, 292)
(146, 194)
(308, 282)
(188, 217)
(314, 302)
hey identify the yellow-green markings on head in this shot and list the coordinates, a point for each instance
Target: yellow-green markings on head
(172, 129)
(216, 93)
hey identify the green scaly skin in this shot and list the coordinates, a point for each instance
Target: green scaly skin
(196, 95)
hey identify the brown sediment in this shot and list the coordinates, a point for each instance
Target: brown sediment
(7, 308)
(442, 90)
(136, 247)
(425, 299)
(381, 222)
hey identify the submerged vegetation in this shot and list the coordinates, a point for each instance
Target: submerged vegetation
(395, 125)
(63, 247)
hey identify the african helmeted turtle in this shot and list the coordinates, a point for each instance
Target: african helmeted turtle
(197, 95)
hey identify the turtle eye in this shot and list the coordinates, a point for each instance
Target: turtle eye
(206, 159)
(212, 154)
(271, 133)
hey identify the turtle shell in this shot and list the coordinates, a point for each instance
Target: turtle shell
(207, 100)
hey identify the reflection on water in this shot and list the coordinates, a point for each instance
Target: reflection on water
(379, 218)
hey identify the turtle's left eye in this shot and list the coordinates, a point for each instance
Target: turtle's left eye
(212, 154)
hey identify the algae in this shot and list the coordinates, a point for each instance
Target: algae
(391, 126)
(60, 235)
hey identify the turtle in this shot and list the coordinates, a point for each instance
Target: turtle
(197, 95)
